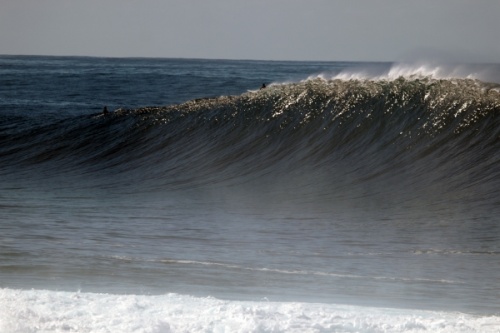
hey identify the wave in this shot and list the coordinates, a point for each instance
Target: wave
(363, 129)
(287, 271)
(54, 311)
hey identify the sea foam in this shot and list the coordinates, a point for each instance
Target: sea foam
(57, 311)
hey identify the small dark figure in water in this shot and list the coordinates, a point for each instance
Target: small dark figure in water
(105, 110)
(263, 86)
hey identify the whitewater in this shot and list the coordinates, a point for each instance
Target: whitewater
(86, 312)
(344, 197)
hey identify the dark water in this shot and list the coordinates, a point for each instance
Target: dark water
(351, 183)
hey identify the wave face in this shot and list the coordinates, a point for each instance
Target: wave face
(419, 131)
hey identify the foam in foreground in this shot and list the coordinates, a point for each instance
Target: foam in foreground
(49, 311)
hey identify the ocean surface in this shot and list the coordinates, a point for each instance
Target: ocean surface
(343, 197)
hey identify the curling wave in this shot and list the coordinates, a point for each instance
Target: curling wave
(377, 128)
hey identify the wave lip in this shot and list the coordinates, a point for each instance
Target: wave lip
(54, 311)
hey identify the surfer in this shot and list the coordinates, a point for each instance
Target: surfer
(105, 110)
(263, 86)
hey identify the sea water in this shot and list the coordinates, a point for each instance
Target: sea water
(344, 197)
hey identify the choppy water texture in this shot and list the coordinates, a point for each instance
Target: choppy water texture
(373, 185)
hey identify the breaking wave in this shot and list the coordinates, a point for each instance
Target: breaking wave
(411, 129)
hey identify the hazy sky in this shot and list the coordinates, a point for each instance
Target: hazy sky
(387, 30)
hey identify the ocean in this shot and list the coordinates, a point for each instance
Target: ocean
(342, 197)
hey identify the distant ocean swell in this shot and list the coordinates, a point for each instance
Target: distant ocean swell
(447, 130)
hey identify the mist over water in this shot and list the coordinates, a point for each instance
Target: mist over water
(484, 73)
(372, 185)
